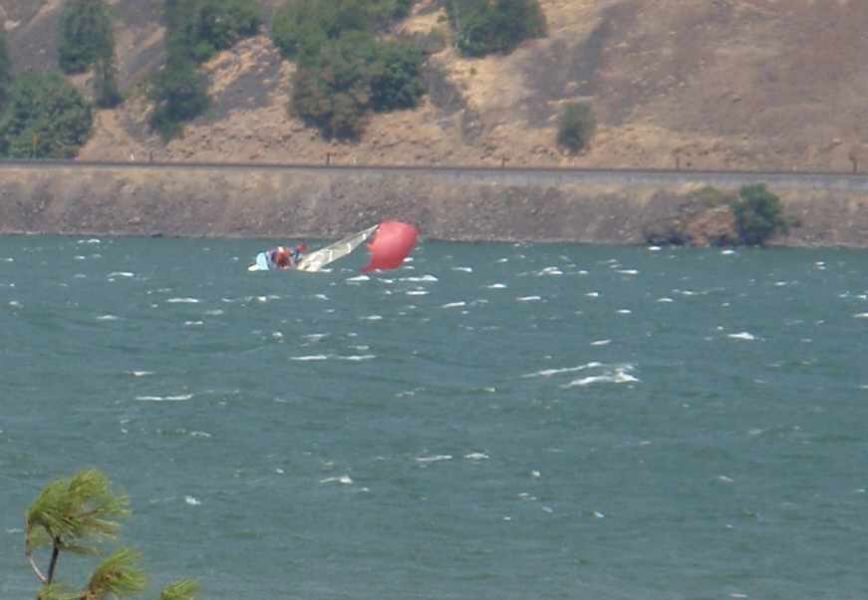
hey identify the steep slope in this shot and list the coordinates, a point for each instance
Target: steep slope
(696, 83)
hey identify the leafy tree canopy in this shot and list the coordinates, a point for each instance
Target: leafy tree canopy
(85, 34)
(758, 215)
(201, 28)
(302, 27)
(352, 75)
(45, 117)
(5, 70)
(494, 26)
(77, 515)
(179, 93)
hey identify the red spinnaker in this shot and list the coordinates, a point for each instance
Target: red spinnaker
(393, 241)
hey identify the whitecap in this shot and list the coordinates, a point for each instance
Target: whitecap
(9, 259)
(619, 375)
(464, 269)
(435, 458)
(121, 274)
(315, 337)
(183, 301)
(14, 304)
(528, 299)
(665, 300)
(476, 456)
(200, 434)
(628, 271)
(535, 474)
(727, 252)
(423, 278)
(624, 311)
(593, 294)
(497, 286)
(178, 398)
(141, 373)
(107, 318)
(599, 515)
(454, 305)
(193, 323)
(725, 479)
(743, 335)
(343, 479)
(358, 357)
(550, 372)
(373, 318)
(214, 312)
(309, 357)
(550, 271)
(861, 315)
(654, 248)
(416, 293)
(89, 241)
(192, 501)
(601, 342)
(358, 278)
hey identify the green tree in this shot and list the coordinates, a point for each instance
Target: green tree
(105, 85)
(85, 34)
(758, 215)
(485, 27)
(45, 117)
(77, 516)
(576, 126)
(335, 92)
(302, 27)
(5, 70)
(201, 28)
(179, 93)
(396, 81)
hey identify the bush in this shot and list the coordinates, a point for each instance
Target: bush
(105, 87)
(179, 93)
(334, 93)
(758, 215)
(576, 126)
(5, 70)
(353, 75)
(201, 28)
(485, 27)
(302, 27)
(71, 516)
(396, 82)
(197, 29)
(45, 117)
(85, 35)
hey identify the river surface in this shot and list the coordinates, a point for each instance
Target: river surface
(492, 421)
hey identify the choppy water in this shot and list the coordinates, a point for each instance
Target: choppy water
(493, 421)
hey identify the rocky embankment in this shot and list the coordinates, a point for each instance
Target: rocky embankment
(460, 205)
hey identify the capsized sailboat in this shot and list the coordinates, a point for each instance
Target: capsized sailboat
(392, 242)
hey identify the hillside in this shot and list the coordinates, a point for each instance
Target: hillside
(753, 84)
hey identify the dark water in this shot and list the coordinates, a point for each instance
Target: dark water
(493, 421)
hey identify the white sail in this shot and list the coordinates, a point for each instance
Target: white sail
(317, 260)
